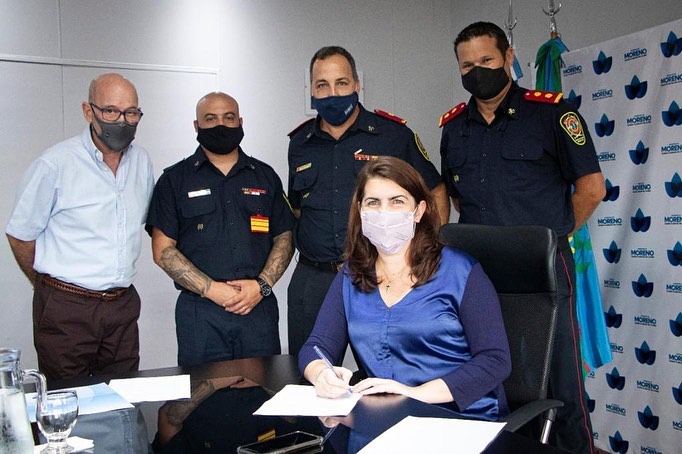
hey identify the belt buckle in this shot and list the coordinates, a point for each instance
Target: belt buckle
(338, 266)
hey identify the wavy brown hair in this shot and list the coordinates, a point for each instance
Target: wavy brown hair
(425, 248)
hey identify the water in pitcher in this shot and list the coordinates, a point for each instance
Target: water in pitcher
(14, 438)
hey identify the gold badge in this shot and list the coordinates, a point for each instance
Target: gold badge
(421, 147)
(571, 124)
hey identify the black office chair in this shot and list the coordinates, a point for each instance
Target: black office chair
(519, 260)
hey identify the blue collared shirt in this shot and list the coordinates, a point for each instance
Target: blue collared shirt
(85, 220)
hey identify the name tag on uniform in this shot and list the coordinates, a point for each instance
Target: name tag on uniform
(260, 224)
(304, 167)
(198, 193)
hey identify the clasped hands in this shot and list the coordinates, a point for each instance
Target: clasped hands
(238, 296)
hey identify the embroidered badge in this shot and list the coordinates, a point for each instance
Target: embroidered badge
(571, 124)
(303, 167)
(260, 224)
(455, 178)
(421, 148)
(253, 191)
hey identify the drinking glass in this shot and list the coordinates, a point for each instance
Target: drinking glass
(56, 417)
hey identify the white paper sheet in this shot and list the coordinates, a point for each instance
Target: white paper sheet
(97, 398)
(153, 389)
(299, 400)
(414, 434)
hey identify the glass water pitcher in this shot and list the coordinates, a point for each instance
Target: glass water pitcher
(15, 430)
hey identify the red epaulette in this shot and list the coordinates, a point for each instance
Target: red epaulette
(548, 97)
(451, 114)
(295, 130)
(390, 116)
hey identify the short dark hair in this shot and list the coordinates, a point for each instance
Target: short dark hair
(483, 29)
(425, 249)
(329, 51)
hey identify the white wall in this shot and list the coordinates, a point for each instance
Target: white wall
(257, 50)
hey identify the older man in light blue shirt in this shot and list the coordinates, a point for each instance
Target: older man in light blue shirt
(75, 232)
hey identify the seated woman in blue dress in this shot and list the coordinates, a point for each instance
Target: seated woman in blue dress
(424, 319)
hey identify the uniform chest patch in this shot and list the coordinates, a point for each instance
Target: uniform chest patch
(253, 191)
(571, 124)
(360, 156)
(260, 224)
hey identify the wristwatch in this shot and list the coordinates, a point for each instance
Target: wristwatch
(265, 289)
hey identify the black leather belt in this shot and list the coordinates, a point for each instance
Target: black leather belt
(106, 295)
(332, 267)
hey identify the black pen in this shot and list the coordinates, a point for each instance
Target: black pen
(328, 363)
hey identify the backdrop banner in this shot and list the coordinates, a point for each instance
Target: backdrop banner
(629, 91)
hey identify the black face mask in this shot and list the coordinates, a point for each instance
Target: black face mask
(116, 136)
(485, 83)
(220, 139)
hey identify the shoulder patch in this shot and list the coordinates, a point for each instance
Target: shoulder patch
(390, 116)
(548, 97)
(296, 129)
(452, 114)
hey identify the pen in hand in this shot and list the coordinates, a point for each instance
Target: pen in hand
(328, 363)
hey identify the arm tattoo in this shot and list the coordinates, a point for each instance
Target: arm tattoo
(177, 411)
(182, 271)
(279, 258)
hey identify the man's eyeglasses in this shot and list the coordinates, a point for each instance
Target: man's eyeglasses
(112, 114)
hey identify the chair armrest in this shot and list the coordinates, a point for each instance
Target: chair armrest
(521, 416)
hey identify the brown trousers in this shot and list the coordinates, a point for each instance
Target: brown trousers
(78, 335)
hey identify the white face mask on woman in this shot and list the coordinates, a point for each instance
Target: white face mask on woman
(388, 231)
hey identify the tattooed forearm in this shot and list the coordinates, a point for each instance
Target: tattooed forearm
(177, 411)
(182, 271)
(279, 258)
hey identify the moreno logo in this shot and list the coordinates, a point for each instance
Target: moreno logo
(605, 127)
(612, 192)
(613, 319)
(612, 254)
(672, 46)
(639, 222)
(602, 64)
(636, 89)
(672, 116)
(645, 355)
(642, 288)
(640, 154)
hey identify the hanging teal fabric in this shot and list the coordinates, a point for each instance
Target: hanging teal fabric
(595, 345)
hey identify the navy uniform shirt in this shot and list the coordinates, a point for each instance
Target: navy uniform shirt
(322, 174)
(520, 168)
(223, 224)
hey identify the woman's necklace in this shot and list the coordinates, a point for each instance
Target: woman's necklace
(393, 277)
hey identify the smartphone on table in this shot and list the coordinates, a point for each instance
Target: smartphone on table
(295, 442)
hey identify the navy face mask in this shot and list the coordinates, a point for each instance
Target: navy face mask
(335, 110)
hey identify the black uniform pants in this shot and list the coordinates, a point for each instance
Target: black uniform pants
(305, 294)
(573, 429)
(207, 332)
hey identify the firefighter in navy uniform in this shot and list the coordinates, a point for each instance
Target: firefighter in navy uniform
(511, 157)
(222, 230)
(325, 155)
